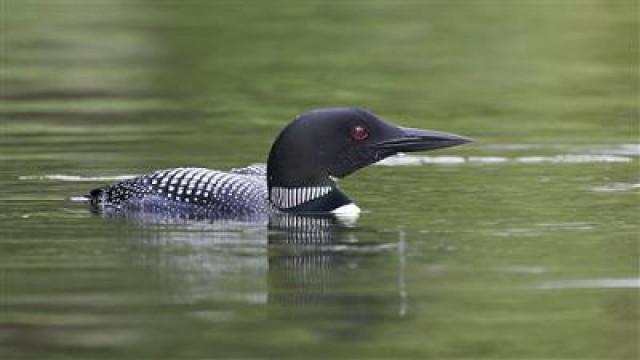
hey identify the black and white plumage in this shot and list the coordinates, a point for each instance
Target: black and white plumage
(306, 157)
(197, 192)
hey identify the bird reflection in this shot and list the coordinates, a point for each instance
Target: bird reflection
(339, 280)
(342, 279)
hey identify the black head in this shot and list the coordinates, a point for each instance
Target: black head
(326, 143)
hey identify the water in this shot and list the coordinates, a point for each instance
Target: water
(521, 245)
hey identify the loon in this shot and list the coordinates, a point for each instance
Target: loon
(306, 159)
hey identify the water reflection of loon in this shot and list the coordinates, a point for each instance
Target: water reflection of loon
(341, 278)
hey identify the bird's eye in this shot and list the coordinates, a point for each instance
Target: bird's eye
(359, 133)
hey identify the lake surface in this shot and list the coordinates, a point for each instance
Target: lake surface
(522, 245)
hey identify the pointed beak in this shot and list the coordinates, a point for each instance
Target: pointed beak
(410, 140)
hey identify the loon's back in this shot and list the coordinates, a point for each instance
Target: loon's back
(190, 192)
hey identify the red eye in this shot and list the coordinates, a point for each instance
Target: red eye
(359, 133)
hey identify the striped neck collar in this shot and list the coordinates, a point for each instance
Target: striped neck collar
(290, 198)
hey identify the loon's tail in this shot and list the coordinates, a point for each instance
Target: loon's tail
(93, 197)
(80, 199)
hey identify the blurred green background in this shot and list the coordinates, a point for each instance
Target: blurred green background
(514, 259)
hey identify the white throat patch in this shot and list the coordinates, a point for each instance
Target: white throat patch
(287, 198)
(348, 210)
(347, 214)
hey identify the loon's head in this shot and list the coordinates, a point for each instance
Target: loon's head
(321, 145)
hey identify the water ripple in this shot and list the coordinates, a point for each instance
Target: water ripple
(624, 283)
(616, 187)
(602, 149)
(76, 178)
(414, 160)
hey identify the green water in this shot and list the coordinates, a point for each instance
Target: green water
(521, 245)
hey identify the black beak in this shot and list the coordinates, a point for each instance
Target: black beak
(410, 140)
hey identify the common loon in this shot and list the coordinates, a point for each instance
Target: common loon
(305, 160)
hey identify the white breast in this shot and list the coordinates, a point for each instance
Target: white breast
(347, 214)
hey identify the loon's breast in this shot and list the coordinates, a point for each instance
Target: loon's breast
(190, 192)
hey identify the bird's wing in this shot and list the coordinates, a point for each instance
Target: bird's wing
(257, 169)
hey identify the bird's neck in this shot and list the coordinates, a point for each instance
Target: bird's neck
(298, 182)
(308, 199)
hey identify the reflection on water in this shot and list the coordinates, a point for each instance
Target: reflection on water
(324, 273)
(303, 267)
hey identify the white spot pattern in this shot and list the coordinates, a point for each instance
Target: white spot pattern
(201, 190)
